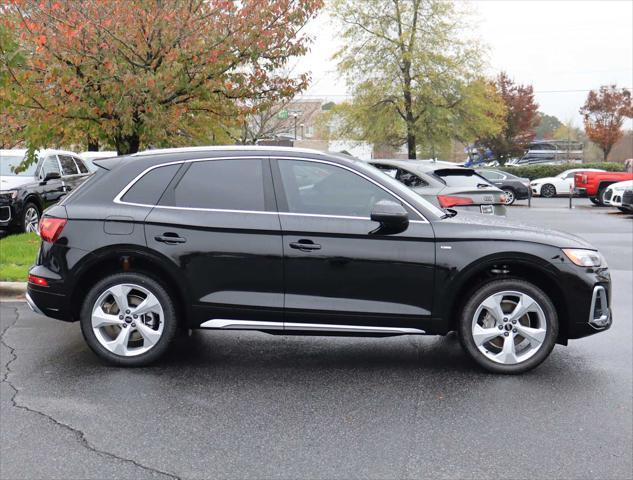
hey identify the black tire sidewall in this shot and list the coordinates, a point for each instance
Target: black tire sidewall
(169, 328)
(467, 313)
(24, 210)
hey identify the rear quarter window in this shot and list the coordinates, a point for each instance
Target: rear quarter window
(148, 189)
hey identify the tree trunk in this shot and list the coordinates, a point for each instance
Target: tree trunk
(127, 144)
(93, 144)
(411, 143)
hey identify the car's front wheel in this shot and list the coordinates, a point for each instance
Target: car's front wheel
(30, 218)
(548, 190)
(508, 326)
(128, 319)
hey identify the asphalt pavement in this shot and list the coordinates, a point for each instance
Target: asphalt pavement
(249, 405)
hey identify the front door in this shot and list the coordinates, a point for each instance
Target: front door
(217, 222)
(337, 272)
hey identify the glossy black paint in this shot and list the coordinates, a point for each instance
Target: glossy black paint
(274, 266)
(39, 191)
(510, 182)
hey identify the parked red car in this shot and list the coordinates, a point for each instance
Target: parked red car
(594, 184)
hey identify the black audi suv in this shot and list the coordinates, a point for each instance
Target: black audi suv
(290, 241)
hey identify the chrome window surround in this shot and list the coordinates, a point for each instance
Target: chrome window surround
(118, 198)
(604, 314)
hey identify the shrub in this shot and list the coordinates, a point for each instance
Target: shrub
(540, 171)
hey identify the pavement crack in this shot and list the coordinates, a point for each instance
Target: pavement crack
(80, 435)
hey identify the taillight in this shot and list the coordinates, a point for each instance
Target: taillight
(51, 228)
(503, 199)
(447, 201)
(35, 280)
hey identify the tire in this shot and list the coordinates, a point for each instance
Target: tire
(488, 348)
(594, 200)
(600, 197)
(511, 196)
(30, 217)
(144, 341)
(548, 190)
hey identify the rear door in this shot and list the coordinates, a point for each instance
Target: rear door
(218, 224)
(338, 273)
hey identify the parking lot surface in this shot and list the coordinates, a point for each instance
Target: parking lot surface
(250, 405)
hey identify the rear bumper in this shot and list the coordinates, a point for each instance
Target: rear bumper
(496, 209)
(580, 192)
(51, 301)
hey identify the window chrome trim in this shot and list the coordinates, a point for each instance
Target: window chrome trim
(121, 194)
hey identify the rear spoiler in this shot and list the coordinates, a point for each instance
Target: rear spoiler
(107, 163)
(454, 171)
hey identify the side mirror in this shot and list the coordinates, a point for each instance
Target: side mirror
(51, 176)
(392, 216)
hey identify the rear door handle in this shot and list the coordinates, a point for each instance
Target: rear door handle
(305, 245)
(170, 238)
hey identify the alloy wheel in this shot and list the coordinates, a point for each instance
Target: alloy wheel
(31, 219)
(509, 194)
(127, 319)
(548, 190)
(509, 327)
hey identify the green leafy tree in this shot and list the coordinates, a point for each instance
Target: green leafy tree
(413, 75)
(148, 72)
(547, 125)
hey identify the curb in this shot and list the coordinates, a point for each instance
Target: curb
(12, 289)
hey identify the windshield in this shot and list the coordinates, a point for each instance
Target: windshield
(8, 163)
(457, 178)
(397, 187)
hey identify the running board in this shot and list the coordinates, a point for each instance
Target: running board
(223, 324)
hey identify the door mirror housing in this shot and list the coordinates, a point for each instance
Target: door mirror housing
(51, 176)
(392, 216)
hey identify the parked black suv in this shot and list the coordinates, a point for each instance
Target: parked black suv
(24, 195)
(290, 241)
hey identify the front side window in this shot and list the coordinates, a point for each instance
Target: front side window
(68, 165)
(323, 189)
(49, 165)
(221, 184)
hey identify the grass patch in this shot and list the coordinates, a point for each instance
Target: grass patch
(17, 254)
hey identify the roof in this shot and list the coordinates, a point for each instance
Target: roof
(216, 148)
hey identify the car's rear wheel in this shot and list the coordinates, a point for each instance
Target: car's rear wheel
(548, 190)
(510, 196)
(128, 319)
(508, 326)
(594, 200)
(30, 218)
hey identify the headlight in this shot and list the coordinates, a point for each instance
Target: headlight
(12, 194)
(585, 258)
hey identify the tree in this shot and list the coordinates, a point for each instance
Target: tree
(547, 125)
(150, 72)
(520, 119)
(413, 74)
(604, 112)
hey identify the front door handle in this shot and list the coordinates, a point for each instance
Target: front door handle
(170, 238)
(305, 245)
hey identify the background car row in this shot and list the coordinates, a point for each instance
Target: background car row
(26, 193)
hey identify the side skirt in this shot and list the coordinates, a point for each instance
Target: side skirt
(222, 324)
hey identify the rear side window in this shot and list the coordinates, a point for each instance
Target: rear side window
(148, 189)
(68, 165)
(80, 165)
(221, 184)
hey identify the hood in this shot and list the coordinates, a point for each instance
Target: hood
(489, 227)
(544, 180)
(621, 186)
(8, 182)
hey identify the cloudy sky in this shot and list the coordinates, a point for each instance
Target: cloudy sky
(563, 48)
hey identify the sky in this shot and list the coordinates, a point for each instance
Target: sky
(563, 48)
